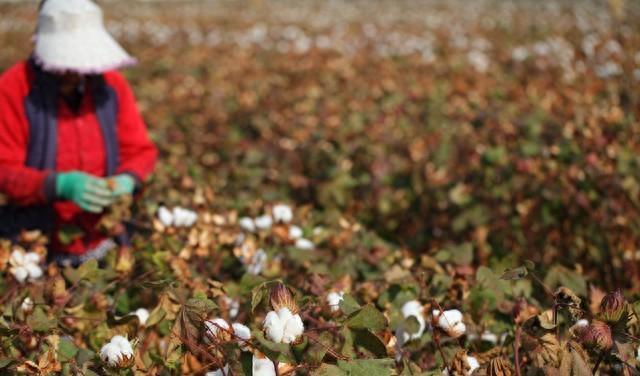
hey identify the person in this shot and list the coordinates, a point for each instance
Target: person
(72, 141)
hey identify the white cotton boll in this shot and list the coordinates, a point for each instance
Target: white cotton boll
(215, 326)
(282, 213)
(333, 299)
(274, 327)
(264, 222)
(165, 216)
(34, 271)
(27, 304)
(247, 224)
(143, 315)
(295, 232)
(190, 218)
(451, 322)
(20, 273)
(415, 309)
(110, 354)
(243, 333)
(123, 345)
(17, 258)
(262, 367)
(284, 314)
(293, 329)
(473, 364)
(304, 244)
(219, 372)
(31, 258)
(179, 218)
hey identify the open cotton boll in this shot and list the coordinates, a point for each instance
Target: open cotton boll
(451, 322)
(143, 315)
(413, 308)
(215, 328)
(165, 216)
(27, 304)
(219, 372)
(295, 232)
(304, 244)
(333, 299)
(25, 266)
(473, 364)
(243, 334)
(282, 213)
(264, 222)
(117, 353)
(233, 306)
(247, 224)
(262, 367)
(283, 326)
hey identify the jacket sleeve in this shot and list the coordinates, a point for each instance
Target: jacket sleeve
(22, 185)
(138, 154)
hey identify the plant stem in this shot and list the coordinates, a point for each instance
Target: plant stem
(600, 357)
(516, 350)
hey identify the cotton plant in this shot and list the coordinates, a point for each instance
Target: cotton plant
(450, 322)
(25, 266)
(118, 353)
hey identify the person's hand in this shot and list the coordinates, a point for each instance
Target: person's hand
(122, 185)
(90, 193)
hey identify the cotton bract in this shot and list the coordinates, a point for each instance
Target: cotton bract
(283, 326)
(25, 266)
(451, 322)
(117, 353)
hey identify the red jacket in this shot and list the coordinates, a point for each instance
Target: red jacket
(80, 148)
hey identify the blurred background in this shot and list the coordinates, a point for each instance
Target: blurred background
(509, 129)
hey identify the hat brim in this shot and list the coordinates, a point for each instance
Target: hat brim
(84, 51)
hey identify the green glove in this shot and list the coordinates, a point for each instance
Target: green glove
(88, 192)
(123, 185)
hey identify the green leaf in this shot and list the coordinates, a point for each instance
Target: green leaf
(67, 350)
(367, 340)
(40, 322)
(70, 233)
(274, 351)
(329, 370)
(367, 318)
(349, 305)
(88, 270)
(368, 367)
(561, 276)
(5, 362)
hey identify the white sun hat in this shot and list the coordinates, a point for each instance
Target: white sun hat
(71, 37)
